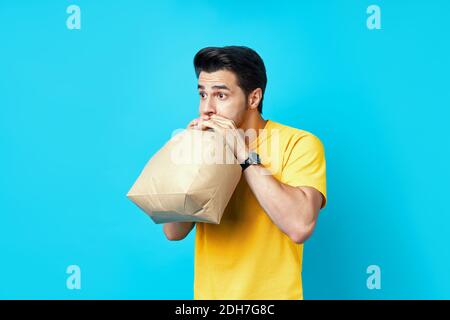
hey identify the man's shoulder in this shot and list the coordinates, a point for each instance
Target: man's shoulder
(294, 136)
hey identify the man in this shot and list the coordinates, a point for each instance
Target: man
(256, 250)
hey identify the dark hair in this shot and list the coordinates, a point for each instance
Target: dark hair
(242, 61)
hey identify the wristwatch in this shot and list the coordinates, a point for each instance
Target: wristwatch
(253, 158)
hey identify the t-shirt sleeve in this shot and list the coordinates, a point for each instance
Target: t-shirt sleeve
(305, 164)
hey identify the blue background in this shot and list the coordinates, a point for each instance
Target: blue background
(81, 112)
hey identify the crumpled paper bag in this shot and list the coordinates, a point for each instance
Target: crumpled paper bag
(191, 178)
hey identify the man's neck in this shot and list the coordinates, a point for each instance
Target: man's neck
(254, 121)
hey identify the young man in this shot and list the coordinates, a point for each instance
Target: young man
(256, 250)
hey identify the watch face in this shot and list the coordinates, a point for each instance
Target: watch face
(254, 158)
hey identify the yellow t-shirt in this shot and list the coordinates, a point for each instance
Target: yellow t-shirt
(247, 256)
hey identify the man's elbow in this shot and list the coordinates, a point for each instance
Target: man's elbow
(175, 231)
(302, 233)
(174, 237)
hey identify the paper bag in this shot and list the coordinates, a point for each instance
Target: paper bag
(191, 178)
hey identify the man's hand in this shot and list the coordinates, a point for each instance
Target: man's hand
(228, 130)
(197, 122)
(294, 210)
(193, 124)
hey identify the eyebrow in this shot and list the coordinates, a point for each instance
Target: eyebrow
(218, 87)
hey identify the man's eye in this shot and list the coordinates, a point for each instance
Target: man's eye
(202, 94)
(222, 96)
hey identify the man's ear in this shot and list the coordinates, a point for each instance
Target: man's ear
(254, 98)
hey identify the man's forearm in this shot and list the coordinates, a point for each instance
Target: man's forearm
(288, 207)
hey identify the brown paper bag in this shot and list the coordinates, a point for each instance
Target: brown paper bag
(191, 178)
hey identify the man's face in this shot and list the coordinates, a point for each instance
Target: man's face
(221, 95)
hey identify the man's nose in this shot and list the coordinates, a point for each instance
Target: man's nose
(207, 108)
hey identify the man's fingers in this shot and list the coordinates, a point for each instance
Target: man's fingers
(226, 122)
(193, 123)
(223, 122)
(206, 124)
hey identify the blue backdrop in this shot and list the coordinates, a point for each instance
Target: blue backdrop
(82, 110)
